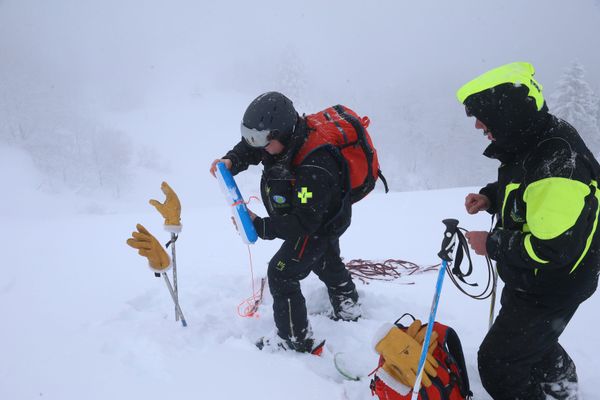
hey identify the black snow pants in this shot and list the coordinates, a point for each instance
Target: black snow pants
(520, 357)
(293, 262)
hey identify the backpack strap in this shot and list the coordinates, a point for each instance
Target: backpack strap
(338, 126)
(452, 343)
(368, 150)
(385, 185)
(399, 324)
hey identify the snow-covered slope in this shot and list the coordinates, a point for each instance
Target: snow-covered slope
(84, 318)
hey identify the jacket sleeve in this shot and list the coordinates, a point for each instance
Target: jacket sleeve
(242, 156)
(491, 192)
(561, 219)
(315, 180)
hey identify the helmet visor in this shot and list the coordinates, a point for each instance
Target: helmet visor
(255, 138)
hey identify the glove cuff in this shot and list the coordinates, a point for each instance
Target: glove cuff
(173, 228)
(381, 333)
(161, 269)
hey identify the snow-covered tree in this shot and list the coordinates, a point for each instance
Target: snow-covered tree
(575, 102)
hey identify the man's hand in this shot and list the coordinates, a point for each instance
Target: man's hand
(477, 240)
(475, 202)
(213, 166)
(252, 217)
(170, 209)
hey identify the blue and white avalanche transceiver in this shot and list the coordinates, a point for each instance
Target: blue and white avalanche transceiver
(236, 201)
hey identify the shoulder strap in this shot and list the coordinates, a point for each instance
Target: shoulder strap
(385, 184)
(454, 347)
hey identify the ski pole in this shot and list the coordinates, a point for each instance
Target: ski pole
(171, 212)
(495, 280)
(174, 257)
(493, 299)
(177, 307)
(445, 254)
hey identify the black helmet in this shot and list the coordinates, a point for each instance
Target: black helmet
(270, 116)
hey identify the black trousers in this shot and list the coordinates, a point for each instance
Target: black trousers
(292, 263)
(521, 353)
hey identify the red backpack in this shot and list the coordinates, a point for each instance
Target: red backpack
(451, 382)
(342, 128)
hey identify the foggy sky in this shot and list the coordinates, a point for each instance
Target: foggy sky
(399, 62)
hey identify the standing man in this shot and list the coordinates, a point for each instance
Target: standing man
(545, 241)
(309, 208)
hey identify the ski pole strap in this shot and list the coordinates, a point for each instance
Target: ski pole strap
(461, 251)
(452, 235)
(174, 238)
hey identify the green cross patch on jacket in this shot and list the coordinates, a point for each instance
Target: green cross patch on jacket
(304, 195)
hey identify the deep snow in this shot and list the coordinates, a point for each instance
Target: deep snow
(83, 316)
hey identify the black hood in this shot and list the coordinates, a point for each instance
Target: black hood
(509, 114)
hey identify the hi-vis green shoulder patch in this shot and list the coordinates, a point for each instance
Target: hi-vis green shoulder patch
(304, 195)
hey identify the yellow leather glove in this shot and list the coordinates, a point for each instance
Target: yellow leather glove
(149, 247)
(418, 331)
(170, 209)
(401, 354)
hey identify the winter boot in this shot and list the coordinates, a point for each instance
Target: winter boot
(308, 345)
(345, 307)
(562, 386)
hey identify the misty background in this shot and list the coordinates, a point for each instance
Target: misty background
(102, 100)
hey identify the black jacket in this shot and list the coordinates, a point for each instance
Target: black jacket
(546, 239)
(311, 198)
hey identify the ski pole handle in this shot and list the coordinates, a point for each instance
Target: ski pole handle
(449, 239)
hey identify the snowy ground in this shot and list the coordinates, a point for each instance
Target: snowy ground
(84, 318)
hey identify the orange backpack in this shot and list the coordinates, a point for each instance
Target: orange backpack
(342, 128)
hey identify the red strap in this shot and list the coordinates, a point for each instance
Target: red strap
(303, 248)
(241, 201)
(249, 307)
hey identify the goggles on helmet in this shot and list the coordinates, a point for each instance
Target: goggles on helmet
(254, 137)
